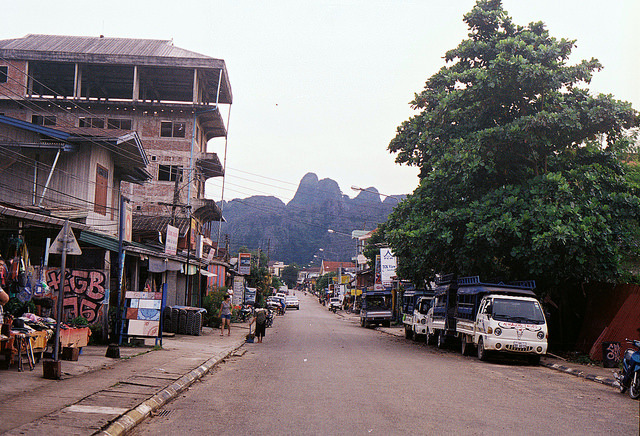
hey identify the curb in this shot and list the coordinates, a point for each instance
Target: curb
(595, 378)
(607, 381)
(126, 422)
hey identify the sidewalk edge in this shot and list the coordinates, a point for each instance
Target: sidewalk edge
(607, 381)
(135, 416)
(595, 378)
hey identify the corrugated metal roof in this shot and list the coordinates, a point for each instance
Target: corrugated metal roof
(100, 46)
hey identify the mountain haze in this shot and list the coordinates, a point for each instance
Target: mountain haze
(295, 232)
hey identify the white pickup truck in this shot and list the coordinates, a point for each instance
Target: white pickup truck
(504, 318)
(415, 306)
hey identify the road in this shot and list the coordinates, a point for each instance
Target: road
(320, 373)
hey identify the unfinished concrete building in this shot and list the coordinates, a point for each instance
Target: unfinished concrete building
(170, 96)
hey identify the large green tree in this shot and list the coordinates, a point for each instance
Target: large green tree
(290, 275)
(520, 176)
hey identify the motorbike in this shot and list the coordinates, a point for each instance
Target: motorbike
(246, 312)
(629, 375)
(269, 322)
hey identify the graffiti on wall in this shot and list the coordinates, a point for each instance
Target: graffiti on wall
(84, 292)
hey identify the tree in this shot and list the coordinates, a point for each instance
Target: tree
(290, 275)
(520, 176)
(324, 281)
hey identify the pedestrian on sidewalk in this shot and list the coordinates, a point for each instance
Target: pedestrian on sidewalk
(225, 315)
(260, 318)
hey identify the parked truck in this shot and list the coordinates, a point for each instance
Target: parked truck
(376, 308)
(415, 305)
(490, 317)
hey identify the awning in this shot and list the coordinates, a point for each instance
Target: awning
(159, 264)
(206, 273)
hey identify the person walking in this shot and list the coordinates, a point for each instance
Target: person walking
(225, 315)
(260, 318)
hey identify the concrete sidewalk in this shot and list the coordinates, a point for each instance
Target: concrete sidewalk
(593, 373)
(99, 395)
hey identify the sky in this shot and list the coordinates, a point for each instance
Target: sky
(321, 86)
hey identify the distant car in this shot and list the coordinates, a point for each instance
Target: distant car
(334, 302)
(292, 302)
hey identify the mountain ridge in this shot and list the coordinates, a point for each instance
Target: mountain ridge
(298, 230)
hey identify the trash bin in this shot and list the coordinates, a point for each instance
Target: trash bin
(610, 354)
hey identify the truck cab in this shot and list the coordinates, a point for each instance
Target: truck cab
(415, 305)
(376, 308)
(510, 324)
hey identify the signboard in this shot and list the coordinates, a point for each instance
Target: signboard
(72, 244)
(377, 285)
(128, 221)
(238, 290)
(387, 266)
(171, 242)
(244, 263)
(250, 294)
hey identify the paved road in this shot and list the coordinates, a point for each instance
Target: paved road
(318, 373)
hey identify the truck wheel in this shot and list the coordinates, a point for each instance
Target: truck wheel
(408, 333)
(441, 340)
(428, 338)
(534, 360)
(482, 353)
(466, 347)
(386, 324)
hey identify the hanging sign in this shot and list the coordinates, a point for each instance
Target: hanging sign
(171, 243)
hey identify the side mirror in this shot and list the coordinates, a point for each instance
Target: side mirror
(487, 309)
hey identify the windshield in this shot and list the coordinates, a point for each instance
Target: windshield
(520, 311)
(424, 306)
(378, 302)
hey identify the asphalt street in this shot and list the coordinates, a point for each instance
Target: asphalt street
(321, 373)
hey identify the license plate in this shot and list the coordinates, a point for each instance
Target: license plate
(520, 345)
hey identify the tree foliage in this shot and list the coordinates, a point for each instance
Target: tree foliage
(519, 168)
(290, 275)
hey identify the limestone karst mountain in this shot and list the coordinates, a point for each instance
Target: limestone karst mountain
(296, 231)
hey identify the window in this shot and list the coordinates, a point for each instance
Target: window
(169, 173)
(4, 74)
(172, 129)
(117, 123)
(100, 198)
(43, 120)
(92, 122)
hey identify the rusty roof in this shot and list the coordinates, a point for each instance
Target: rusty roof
(99, 46)
(149, 53)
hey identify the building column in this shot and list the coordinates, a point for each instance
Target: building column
(136, 84)
(196, 90)
(77, 82)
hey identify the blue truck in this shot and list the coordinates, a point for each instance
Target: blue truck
(490, 317)
(376, 308)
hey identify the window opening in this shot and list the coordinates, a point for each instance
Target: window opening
(118, 123)
(169, 173)
(172, 129)
(42, 120)
(92, 122)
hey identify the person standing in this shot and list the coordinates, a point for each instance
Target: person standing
(260, 318)
(225, 315)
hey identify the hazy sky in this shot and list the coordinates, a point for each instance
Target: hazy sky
(320, 86)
